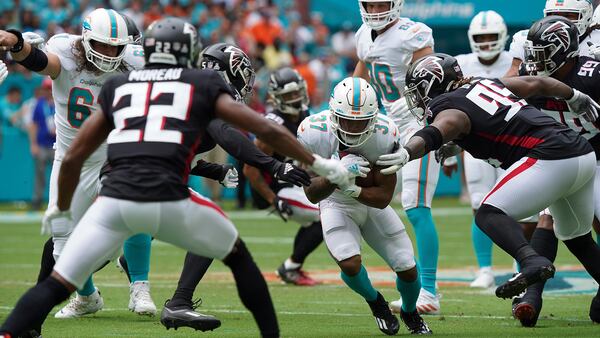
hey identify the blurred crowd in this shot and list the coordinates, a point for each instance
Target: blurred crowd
(274, 33)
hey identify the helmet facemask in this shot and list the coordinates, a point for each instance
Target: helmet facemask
(353, 131)
(417, 100)
(291, 99)
(378, 21)
(103, 62)
(538, 59)
(486, 50)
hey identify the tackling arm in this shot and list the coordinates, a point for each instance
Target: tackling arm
(31, 57)
(256, 179)
(90, 136)
(528, 86)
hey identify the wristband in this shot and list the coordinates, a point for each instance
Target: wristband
(19, 45)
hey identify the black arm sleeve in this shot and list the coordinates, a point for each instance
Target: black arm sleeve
(210, 170)
(240, 147)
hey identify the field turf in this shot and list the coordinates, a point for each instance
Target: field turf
(327, 310)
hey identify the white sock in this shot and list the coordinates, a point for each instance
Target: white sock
(289, 265)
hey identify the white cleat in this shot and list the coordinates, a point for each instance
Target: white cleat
(427, 304)
(140, 301)
(485, 279)
(81, 305)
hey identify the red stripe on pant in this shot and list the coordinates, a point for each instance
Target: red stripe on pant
(198, 199)
(524, 166)
(299, 204)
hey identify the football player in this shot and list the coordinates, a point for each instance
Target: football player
(78, 66)
(353, 130)
(146, 141)
(289, 97)
(386, 43)
(487, 36)
(489, 119)
(551, 50)
(580, 12)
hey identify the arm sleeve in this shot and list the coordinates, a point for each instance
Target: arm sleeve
(214, 87)
(239, 146)
(210, 170)
(105, 102)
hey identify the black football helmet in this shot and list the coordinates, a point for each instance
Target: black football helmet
(132, 29)
(551, 42)
(287, 91)
(427, 78)
(171, 41)
(233, 65)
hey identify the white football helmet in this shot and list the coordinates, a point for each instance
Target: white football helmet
(105, 26)
(354, 107)
(487, 22)
(583, 8)
(377, 21)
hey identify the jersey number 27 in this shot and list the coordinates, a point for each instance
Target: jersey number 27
(142, 95)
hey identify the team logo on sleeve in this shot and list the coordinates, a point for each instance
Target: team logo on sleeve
(558, 33)
(430, 67)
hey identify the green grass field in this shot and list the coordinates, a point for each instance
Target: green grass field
(328, 310)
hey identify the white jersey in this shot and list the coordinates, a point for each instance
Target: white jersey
(316, 135)
(76, 92)
(471, 66)
(387, 57)
(518, 42)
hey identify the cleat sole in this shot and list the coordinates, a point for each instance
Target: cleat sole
(197, 325)
(514, 287)
(526, 314)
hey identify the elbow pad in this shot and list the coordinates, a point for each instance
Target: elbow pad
(36, 60)
(432, 136)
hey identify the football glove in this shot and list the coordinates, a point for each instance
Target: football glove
(292, 174)
(394, 161)
(332, 169)
(230, 178)
(34, 39)
(57, 222)
(446, 155)
(351, 190)
(282, 208)
(356, 165)
(3, 71)
(583, 106)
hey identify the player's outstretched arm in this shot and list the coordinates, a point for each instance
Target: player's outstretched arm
(514, 68)
(258, 183)
(447, 126)
(361, 71)
(28, 56)
(276, 136)
(528, 86)
(90, 136)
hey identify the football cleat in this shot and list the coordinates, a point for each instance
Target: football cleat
(81, 305)
(542, 270)
(595, 309)
(295, 276)
(185, 316)
(385, 319)
(414, 322)
(140, 301)
(527, 309)
(427, 304)
(485, 279)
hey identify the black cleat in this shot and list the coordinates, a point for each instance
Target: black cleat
(529, 275)
(414, 322)
(595, 309)
(527, 309)
(385, 319)
(185, 316)
(31, 333)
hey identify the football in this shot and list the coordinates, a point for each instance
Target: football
(368, 181)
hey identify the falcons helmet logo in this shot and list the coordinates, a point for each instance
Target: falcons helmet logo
(558, 33)
(238, 61)
(430, 66)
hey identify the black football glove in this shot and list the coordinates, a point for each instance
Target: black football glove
(292, 174)
(282, 208)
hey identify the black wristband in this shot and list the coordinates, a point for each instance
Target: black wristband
(36, 60)
(432, 136)
(19, 45)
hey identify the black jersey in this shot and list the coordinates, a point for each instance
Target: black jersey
(584, 77)
(158, 116)
(504, 128)
(291, 124)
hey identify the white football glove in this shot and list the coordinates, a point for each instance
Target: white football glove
(594, 50)
(34, 39)
(3, 71)
(231, 177)
(331, 169)
(56, 221)
(394, 161)
(583, 106)
(356, 165)
(351, 190)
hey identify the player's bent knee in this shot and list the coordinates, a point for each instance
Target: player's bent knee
(485, 213)
(545, 222)
(238, 253)
(409, 275)
(56, 276)
(351, 266)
